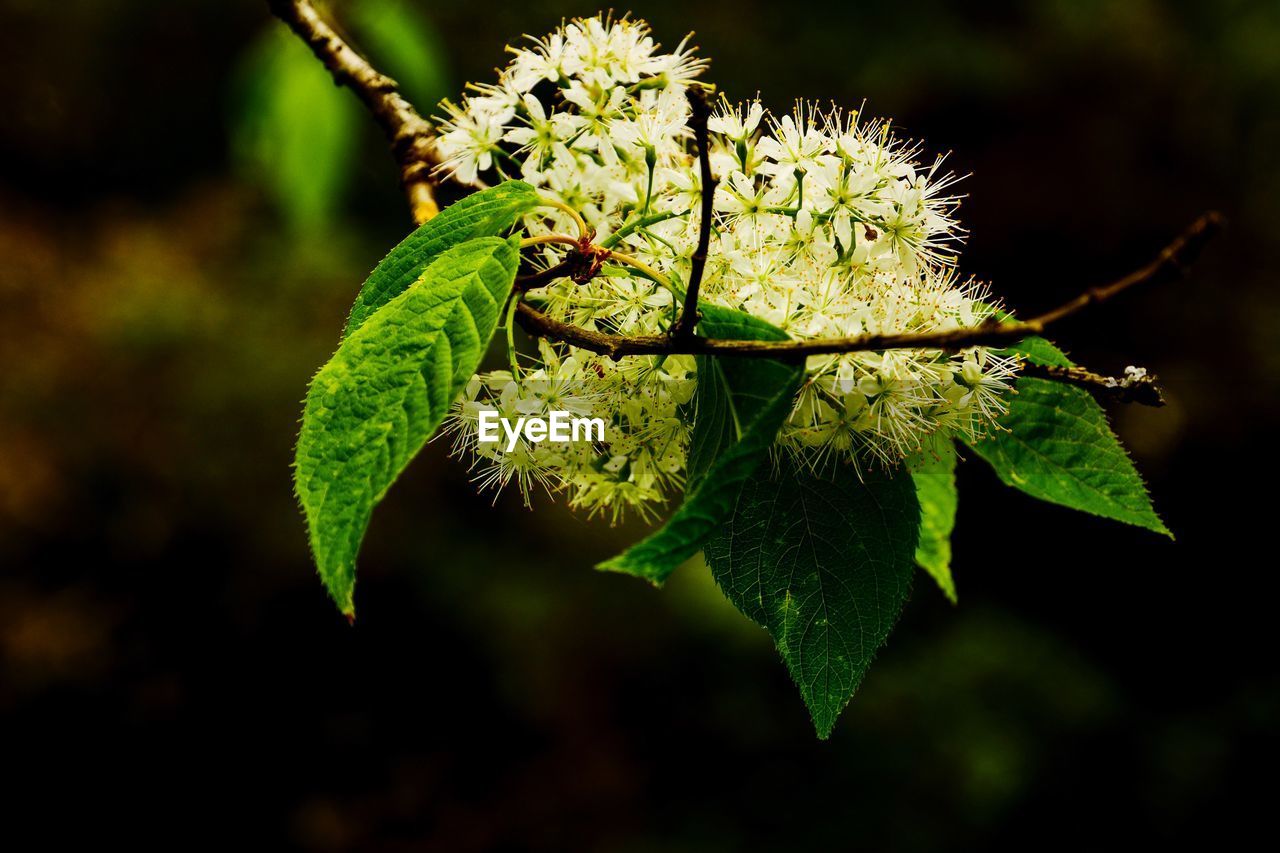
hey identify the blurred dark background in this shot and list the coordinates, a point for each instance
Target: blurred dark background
(187, 207)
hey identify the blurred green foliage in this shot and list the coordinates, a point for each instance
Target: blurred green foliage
(400, 37)
(297, 134)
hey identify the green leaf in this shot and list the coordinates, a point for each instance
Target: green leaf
(1039, 351)
(1059, 448)
(402, 40)
(382, 395)
(823, 562)
(487, 213)
(293, 131)
(934, 473)
(740, 404)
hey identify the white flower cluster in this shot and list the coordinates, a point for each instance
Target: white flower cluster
(824, 226)
(639, 463)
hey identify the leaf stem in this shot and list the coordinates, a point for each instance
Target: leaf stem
(562, 239)
(633, 261)
(583, 230)
(509, 321)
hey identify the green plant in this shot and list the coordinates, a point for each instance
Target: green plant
(788, 346)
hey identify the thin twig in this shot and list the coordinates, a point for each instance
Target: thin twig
(1137, 387)
(1145, 391)
(1172, 260)
(408, 132)
(699, 114)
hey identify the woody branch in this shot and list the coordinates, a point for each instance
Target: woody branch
(407, 131)
(411, 138)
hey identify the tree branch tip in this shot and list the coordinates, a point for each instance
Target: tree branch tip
(1136, 386)
(1213, 220)
(1208, 225)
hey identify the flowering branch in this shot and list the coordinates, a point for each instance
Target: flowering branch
(700, 113)
(412, 143)
(594, 118)
(1172, 262)
(408, 132)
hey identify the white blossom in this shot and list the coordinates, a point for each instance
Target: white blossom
(824, 225)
